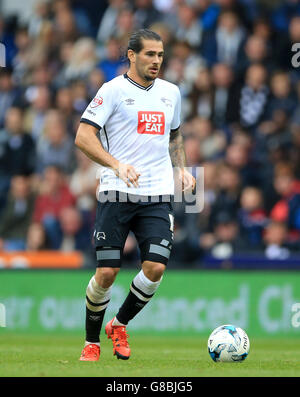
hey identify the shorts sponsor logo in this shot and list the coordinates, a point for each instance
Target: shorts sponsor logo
(97, 101)
(151, 123)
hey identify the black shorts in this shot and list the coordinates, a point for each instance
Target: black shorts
(151, 223)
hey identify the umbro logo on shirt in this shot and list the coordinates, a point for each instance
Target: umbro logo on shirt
(129, 101)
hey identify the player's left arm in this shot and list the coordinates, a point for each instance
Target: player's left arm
(178, 158)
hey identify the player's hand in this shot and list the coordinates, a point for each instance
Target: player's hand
(128, 174)
(188, 182)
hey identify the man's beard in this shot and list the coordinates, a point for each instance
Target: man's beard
(145, 77)
(148, 78)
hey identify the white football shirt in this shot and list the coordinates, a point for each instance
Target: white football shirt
(135, 124)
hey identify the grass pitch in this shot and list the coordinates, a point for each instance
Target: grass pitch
(152, 356)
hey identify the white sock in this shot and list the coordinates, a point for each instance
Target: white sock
(89, 343)
(144, 284)
(141, 283)
(97, 294)
(116, 322)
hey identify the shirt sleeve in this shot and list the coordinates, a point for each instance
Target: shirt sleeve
(100, 108)
(175, 124)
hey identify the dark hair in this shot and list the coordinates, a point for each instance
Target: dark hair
(135, 41)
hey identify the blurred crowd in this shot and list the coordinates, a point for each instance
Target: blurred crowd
(231, 59)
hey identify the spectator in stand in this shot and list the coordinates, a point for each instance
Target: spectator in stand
(112, 63)
(125, 25)
(282, 14)
(9, 93)
(64, 22)
(108, 26)
(63, 58)
(56, 147)
(34, 121)
(262, 28)
(95, 80)
(282, 96)
(64, 104)
(238, 156)
(275, 240)
(250, 100)
(210, 196)
(201, 94)
(21, 62)
(36, 239)
(18, 150)
(295, 135)
(79, 96)
(188, 27)
(199, 230)
(254, 51)
(244, 9)
(42, 76)
(208, 13)
(226, 240)
(222, 44)
(83, 183)
(192, 151)
(146, 13)
(53, 195)
(228, 193)
(273, 139)
(73, 233)
(191, 60)
(82, 61)
(164, 32)
(287, 208)
(40, 19)
(252, 217)
(222, 82)
(17, 215)
(212, 142)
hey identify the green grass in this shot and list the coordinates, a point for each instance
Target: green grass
(152, 356)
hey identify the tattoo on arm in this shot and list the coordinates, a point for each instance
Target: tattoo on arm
(176, 149)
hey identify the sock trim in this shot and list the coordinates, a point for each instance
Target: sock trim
(139, 293)
(91, 343)
(97, 304)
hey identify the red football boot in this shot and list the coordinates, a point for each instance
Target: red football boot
(118, 335)
(91, 352)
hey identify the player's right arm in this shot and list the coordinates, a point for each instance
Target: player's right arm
(93, 119)
(87, 141)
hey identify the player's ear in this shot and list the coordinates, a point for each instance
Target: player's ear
(131, 56)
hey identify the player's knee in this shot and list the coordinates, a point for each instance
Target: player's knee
(153, 270)
(156, 250)
(105, 276)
